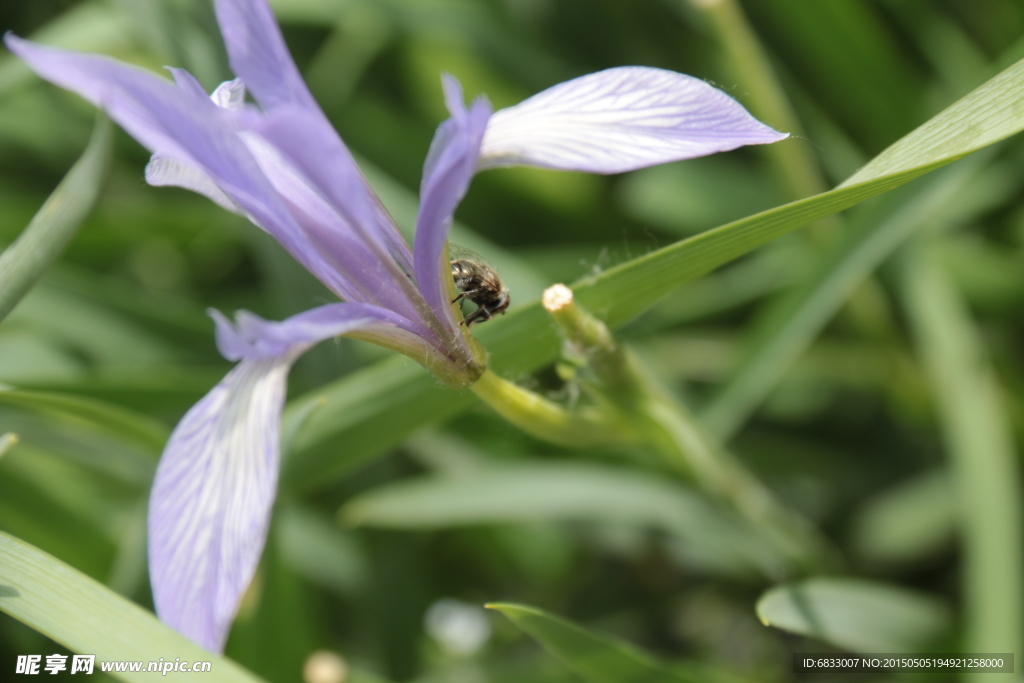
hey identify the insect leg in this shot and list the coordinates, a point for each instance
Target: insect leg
(473, 317)
(463, 295)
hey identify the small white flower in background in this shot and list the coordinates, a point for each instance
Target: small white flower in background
(460, 628)
(324, 666)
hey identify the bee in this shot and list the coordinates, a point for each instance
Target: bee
(479, 283)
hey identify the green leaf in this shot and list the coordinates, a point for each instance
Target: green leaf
(799, 315)
(115, 419)
(525, 339)
(88, 618)
(906, 523)
(540, 491)
(373, 408)
(313, 547)
(855, 615)
(22, 263)
(596, 658)
(984, 465)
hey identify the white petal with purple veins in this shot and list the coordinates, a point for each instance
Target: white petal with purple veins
(216, 482)
(211, 501)
(619, 120)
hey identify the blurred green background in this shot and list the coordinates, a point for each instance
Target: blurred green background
(860, 433)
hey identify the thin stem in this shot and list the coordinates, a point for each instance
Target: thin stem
(545, 419)
(985, 467)
(624, 386)
(668, 425)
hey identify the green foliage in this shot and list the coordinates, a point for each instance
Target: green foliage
(856, 615)
(87, 617)
(24, 262)
(596, 658)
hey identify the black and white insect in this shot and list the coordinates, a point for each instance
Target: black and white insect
(477, 282)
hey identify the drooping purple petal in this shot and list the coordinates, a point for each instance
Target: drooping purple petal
(619, 120)
(211, 500)
(447, 172)
(258, 54)
(252, 337)
(215, 485)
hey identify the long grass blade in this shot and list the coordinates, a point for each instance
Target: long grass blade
(985, 467)
(89, 618)
(25, 261)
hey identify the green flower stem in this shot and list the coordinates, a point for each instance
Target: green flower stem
(765, 97)
(668, 426)
(984, 463)
(545, 419)
(658, 420)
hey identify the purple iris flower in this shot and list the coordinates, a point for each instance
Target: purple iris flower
(281, 164)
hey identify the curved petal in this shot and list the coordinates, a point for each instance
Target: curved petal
(211, 500)
(258, 54)
(216, 482)
(447, 172)
(229, 94)
(252, 337)
(183, 124)
(619, 120)
(163, 171)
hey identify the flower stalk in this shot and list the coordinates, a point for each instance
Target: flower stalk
(631, 404)
(545, 419)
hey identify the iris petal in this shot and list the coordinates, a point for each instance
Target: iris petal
(619, 120)
(259, 56)
(211, 501)
(447, 173)
(179, 123)
(216, 482)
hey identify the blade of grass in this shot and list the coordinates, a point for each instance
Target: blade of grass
(856, 615)
(800, 315)
(986, 474)
(523, 493)
(359, 411)
(24, 262)
(594, 657)
(117, 420)
(89, 618)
